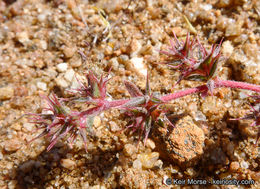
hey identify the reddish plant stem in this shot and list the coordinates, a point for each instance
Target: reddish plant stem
(237, 85)
(104, 105)
(183, 93)
(218, 83)
(115, 103)
(92, 111)
(165, 98)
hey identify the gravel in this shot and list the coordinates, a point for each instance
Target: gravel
(62, 67)
(45, 44)
(6, 93)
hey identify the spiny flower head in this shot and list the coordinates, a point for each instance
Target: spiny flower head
(94, 92)
(142, 109)
(60, 122)
(205, 69)
(193, 61)
(179, 49)
(180, 52)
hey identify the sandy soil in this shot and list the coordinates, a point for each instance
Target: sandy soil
(45, 44)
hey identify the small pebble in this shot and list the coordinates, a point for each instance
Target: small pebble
(41, 86)
(150, 144)
(74, 83)
(62, 67)
(233, 29)
(61, 82)
(234, 166)
(129, 150)
(114, 127)
(68, 163)
(16, 127)
(22, 37)
(224, 3)
(123, 59)
(69, 51)
(137, 164)
(97, 121)
(41, 17)
(148, 159)
(12, 184)
(114, 63)
(9, 165)
(158, 164)
(6, 93)
(184, 145)
(69, 75)
(12, 145)
(51, 73)
(76, 63)
(227, 48)
(28, 126)
(138, 65)
(135, 47)
(244, 165)
(43, 44)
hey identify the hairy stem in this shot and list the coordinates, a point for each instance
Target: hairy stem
(183, 93)
(104, 105)
(237, 85)
(115, 103)
(218, 83)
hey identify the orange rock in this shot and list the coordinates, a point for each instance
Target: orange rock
(182, 144)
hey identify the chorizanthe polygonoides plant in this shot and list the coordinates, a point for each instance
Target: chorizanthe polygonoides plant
(193, 61)
(144, 109)
(60, 122)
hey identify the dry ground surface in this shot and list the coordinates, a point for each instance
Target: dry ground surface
(45, 43)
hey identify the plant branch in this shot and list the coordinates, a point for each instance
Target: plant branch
(183, 93)
(237, 85)
(105, 105)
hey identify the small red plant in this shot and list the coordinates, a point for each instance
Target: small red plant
(95, 90)
(180, 52)
(195, 62)
(144, 109)
(60, 122)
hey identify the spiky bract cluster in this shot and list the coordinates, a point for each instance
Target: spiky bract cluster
(142, 109)
(94, 91)
(193, 61)
(60, 122)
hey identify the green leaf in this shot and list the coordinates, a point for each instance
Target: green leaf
(96, 91)
(160, 122)
(148, 123)
(147, 86)
(156, 100)
(197, 78)
(213, 69)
